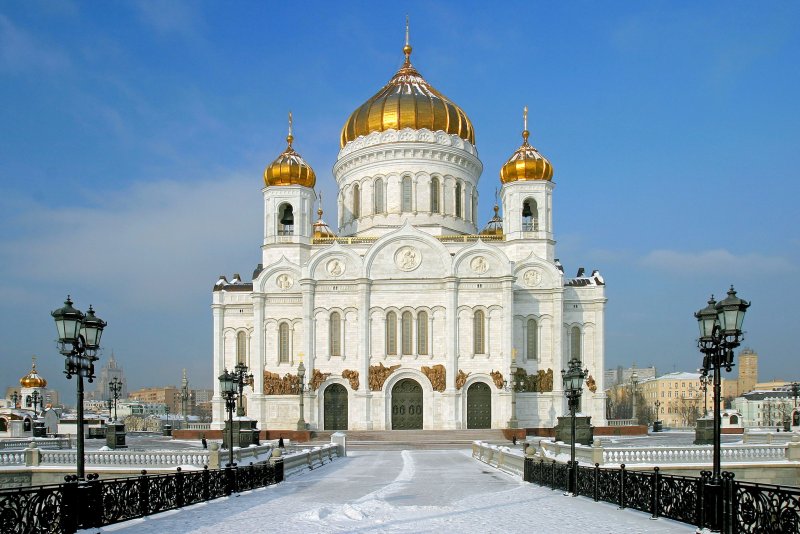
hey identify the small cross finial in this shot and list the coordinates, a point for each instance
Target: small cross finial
(290, 137)
(407, 47)
(525, 118)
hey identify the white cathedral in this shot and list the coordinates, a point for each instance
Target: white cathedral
(409, 318)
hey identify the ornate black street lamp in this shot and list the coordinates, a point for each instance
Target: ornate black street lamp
(34, 399)
(78, 339)
(657, 422)
(15, 397)
(115, 387)
(227, 383)
(242, 379)
(720, 332)
(573, 379)
(704, 380)
(795, 389)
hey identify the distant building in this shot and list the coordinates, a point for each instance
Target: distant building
(108, 372)
(681, 397)
(622, 375)
(168, 395)
(765, 408)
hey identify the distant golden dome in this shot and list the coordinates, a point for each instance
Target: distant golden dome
(526, 163)
(33, 379)
(407, 101)
(289, 168)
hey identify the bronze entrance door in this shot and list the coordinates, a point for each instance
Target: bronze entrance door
(407, 405)
(335, 407)
(479, 406)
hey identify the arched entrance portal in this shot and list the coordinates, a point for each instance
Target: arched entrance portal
(335, 407)
(407, 405)
(479, 406)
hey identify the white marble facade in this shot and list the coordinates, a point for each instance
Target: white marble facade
(400, 254)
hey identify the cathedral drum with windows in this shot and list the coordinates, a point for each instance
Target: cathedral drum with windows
(409, 317)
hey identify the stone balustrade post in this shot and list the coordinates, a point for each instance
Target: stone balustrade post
(340, 440)
(793, 449)
(597, 451)
(33, 456)
(213, 455)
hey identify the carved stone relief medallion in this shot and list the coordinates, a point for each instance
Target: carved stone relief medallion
(407, 258)
(479, 264)
(284, 281)
(335, 267)
(532, 278)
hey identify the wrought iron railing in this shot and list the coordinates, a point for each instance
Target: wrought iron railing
(65, 508)
(746, 507)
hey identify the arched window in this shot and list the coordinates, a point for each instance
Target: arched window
(575, 343)
(391, 333)
(406, 333)
(422, 333)
(530, 216)
(458, 199)
(241, 347)
(406, 193)
(533, 340)
(434, 195)
(378, 201)
(335, 334)
(285, 220)
(283, 343)
(356, 202)
(479, 333)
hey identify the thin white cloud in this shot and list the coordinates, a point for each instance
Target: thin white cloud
(154, 244)
(170, 17)
(21, 51)
(718, 261)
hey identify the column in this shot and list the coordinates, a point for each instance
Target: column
(218, 411)
(256, 408)
(450, 412)
(507, 341)
(307, 286)
(364, 396)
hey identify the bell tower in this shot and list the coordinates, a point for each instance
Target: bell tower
(288, 197)
(527, 197)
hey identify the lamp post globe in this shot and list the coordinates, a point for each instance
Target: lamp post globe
(227, 388)
(720, 325)
(78, 340)
(573, 378)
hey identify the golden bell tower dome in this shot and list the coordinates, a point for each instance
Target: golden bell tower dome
(289, 168)
(407, 101)
(33, 379)
(526, 163)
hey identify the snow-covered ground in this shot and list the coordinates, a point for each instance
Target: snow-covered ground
(401, 491)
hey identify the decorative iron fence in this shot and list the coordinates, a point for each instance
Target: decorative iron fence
(65, 508)
(746, 507)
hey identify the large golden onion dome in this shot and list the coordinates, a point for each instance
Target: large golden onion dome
(33, 379)
(407, 101)
(289, 168)
(526, 163)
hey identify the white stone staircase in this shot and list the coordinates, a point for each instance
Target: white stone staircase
(413, 439)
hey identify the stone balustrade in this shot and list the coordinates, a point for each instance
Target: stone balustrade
(42, 443)
(511, 461)
(622, 422)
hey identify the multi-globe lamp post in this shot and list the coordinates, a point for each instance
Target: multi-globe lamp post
(15, 398)
(34, 399)
(720, 332)
(634, 386)
(573, 378)
(301, 374)
(657, 422)
(78, 339)
(115, 387)
(227, 383)
(241, 378)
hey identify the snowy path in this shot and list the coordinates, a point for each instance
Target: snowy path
(394, 491)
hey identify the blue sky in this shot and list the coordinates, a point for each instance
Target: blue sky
(135, 135)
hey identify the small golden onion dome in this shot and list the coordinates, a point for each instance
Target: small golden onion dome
(289, 168)
(33, 379)
(526, 163)
(321, 228)
(495, 225)
(407, 101)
